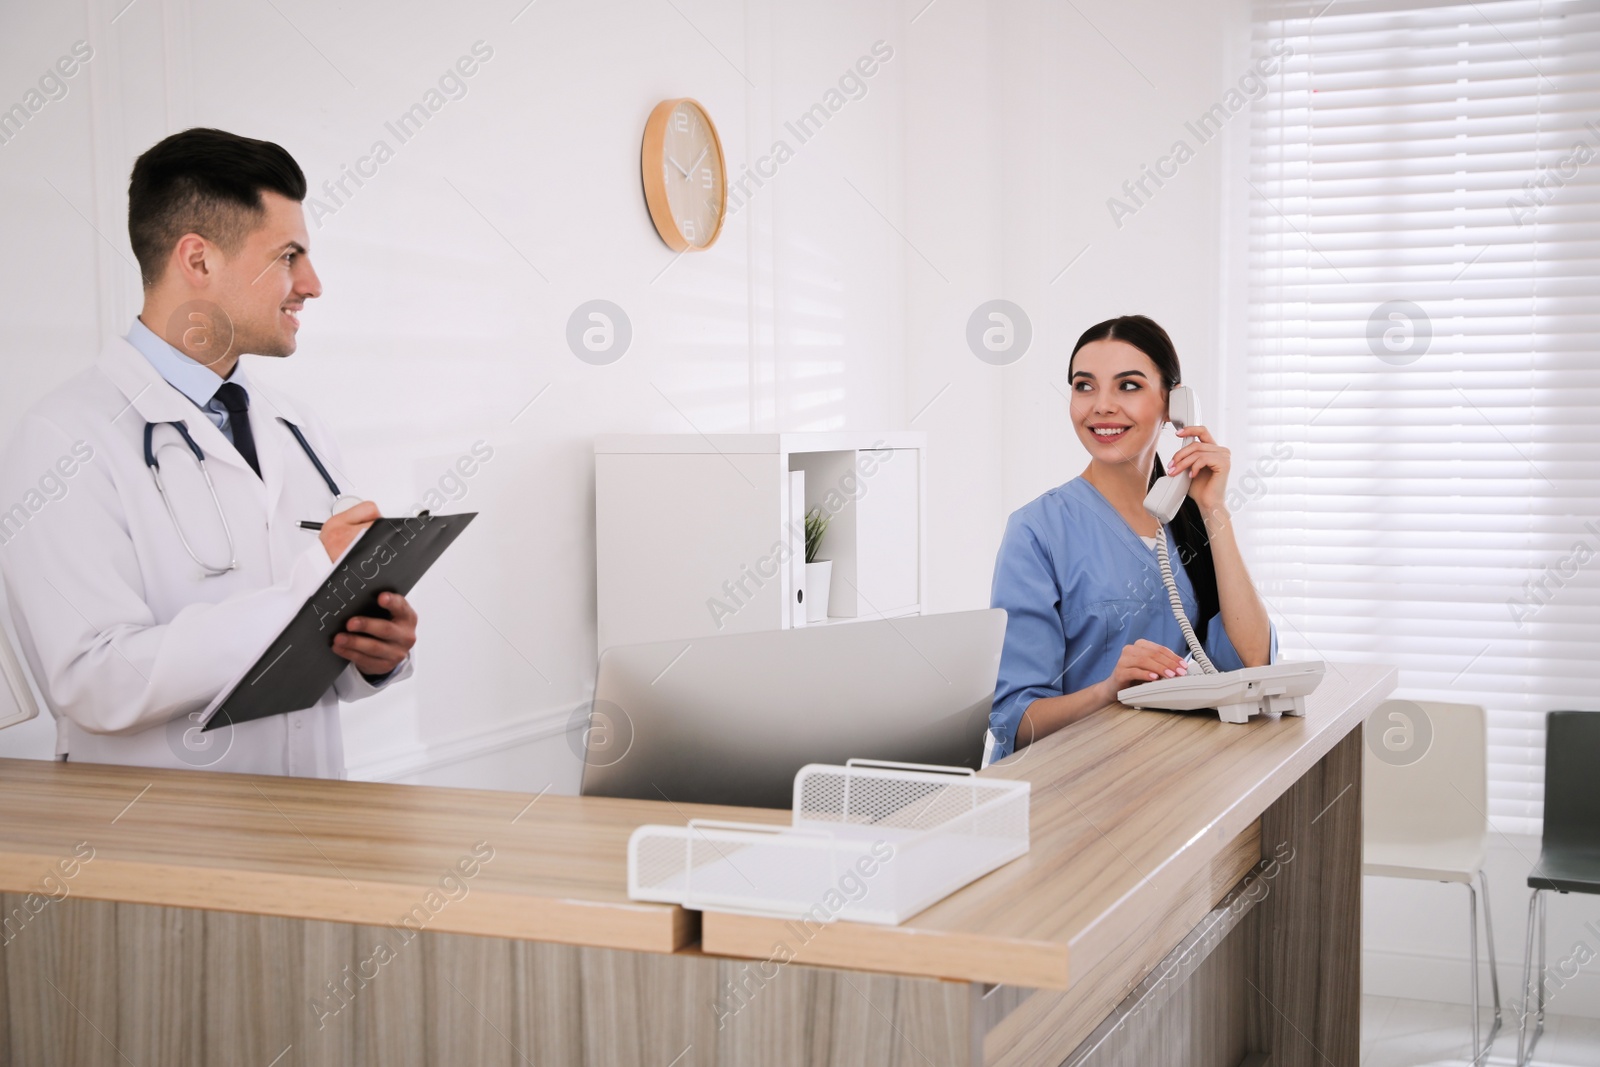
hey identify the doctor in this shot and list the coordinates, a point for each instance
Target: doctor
(151, 537)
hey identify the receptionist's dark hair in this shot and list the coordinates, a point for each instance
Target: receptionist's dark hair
(1194, 547)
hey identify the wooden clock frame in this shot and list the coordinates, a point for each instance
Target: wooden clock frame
(651, 158)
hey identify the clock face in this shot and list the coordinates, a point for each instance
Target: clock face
(685, 184)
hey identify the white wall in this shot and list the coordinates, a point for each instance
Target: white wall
(1093, 91)
(450, 275)
(975, 166)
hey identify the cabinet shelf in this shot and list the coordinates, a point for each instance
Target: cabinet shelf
(699, 534)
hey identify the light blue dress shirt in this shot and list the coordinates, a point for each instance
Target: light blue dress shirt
(1077, 585)
(194, 380)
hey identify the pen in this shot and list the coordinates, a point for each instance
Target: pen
(307, 524)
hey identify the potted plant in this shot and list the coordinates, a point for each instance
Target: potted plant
(819, 572)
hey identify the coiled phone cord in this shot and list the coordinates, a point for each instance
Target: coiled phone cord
(1177, 604)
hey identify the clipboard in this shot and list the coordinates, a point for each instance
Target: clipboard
(297, 668)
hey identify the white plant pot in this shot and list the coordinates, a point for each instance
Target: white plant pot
(819, 576)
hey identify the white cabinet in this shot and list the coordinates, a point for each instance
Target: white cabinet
(697, 535)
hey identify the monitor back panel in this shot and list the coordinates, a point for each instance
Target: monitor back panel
(730, 719)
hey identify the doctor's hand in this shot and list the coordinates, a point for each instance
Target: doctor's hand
(339, 532)
(378, 646)
(1144, 661)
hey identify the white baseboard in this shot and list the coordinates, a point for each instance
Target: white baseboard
(1415, 944)
(469, 744)
(1444, 979)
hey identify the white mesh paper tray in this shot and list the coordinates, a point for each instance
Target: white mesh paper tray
(871, 842)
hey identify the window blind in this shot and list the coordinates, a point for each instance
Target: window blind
(1422, 373)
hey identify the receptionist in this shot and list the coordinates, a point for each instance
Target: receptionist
(1077, 572)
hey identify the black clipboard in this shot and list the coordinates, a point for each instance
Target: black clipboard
(297, 668)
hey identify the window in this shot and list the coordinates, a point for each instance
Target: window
(1424, 238)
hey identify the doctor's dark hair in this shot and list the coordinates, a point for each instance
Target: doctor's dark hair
(207, 182)
(1194, 547)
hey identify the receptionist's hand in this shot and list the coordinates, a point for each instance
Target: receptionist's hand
(1145, 661)
(1207, 463)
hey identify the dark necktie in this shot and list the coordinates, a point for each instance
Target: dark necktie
(237, 401)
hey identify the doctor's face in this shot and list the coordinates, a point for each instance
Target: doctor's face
(1118, 402)
(266, 284)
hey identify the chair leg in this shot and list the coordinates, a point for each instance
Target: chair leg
(1527, 981)
(1494, 966)
(1525, 1042)
(1477, 1026)
(1544, 940)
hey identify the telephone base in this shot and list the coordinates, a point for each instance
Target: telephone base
(1276, 689)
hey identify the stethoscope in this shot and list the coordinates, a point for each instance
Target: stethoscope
(341, 501)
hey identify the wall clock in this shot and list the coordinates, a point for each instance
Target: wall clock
(685, 175)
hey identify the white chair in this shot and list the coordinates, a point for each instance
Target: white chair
(1425, 785)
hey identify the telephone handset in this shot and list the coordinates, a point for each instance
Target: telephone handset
(1168, 494)
(1163, 500)
(1236, 695)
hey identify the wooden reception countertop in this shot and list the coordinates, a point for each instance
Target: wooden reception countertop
(353, 852)
(1141, 821)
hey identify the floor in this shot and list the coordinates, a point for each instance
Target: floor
(1414, 1033)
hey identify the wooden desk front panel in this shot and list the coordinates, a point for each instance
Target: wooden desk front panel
(97, 984)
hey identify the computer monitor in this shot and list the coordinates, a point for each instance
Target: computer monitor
(730, 719)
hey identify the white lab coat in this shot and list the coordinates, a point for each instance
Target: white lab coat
(126, 637)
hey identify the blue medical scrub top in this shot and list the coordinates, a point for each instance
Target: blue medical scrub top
(1077, 585)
